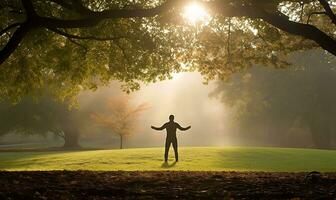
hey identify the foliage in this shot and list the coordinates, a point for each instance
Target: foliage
(40, 117)
(120, 117)
(275, 101)
(69, 46)
(28, 117)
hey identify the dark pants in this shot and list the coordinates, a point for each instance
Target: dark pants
(168, 142)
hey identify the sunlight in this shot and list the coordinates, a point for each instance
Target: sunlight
(176, 75)
(195, 14)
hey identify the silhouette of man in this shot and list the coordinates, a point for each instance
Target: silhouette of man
(171, 127)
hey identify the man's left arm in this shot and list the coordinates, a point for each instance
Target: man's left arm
(181, 128)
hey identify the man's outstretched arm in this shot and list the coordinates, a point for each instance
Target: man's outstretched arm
(183, 129)
(159, 128)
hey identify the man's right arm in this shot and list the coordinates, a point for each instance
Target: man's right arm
(159, 128)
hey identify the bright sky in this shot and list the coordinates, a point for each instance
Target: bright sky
(195, 13)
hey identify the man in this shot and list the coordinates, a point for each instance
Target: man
(171, 127)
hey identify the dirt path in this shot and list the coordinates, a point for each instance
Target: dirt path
(163, 185)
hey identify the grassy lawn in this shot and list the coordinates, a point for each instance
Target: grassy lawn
(191, 158)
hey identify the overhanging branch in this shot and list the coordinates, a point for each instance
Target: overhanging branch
(305, 30)
(224, 8)
(90, 37)
(13, 42)
(328, 10)
(8, 28)
(75, 5)
(35, 21)
(314, 13)
(78, 44)
(95, 17)
(279, 21)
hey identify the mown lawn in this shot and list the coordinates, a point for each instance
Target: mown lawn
(191, 158)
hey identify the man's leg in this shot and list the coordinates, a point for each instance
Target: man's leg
(167, 149)
(175, 149)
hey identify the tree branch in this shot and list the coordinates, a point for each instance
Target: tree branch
(228, 41)
(224, 8)
(314, 13)
(78, 44)
(75, 6)
(328, 10)
(67, 35)
(60, 134)
(20, 32)
(14, 42)
(8, 28)
(279, 21)
(305, 30)
(28, 6)
(95, 17)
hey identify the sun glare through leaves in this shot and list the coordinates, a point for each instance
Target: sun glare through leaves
(195, 14)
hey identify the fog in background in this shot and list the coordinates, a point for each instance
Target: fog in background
(186, 97)
(292, 107)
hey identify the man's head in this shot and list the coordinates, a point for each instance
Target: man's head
(171, 118)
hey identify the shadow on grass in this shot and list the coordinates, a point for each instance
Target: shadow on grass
(167, 165)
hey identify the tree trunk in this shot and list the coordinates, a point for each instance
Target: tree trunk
(321, 134)
(121, 142)
(71, 140)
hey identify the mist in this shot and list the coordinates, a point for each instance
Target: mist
(291, 107)
(184, 96)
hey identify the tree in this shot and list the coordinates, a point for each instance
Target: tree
(80, 44)
(120, 117)
(40, 117)
(274, 101)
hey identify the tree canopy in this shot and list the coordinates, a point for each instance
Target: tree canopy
(67, 46)
(46, 115)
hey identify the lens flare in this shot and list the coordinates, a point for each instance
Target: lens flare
(196, 14)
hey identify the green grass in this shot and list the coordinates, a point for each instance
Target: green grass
(191, 158)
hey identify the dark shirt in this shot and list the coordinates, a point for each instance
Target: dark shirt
(171, 128)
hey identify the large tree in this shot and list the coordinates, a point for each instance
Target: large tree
(79, 44)
(40, 117)
(269, 103)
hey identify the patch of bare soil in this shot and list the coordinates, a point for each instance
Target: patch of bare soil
(164, 185)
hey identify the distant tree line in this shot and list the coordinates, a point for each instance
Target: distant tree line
(276, 106)
(45, 115)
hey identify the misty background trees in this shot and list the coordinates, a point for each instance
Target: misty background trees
(41, 117)
(120, 117)
(261, 106)
(46, 116)
(287, 107)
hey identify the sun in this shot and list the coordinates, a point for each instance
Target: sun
(195, 13)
